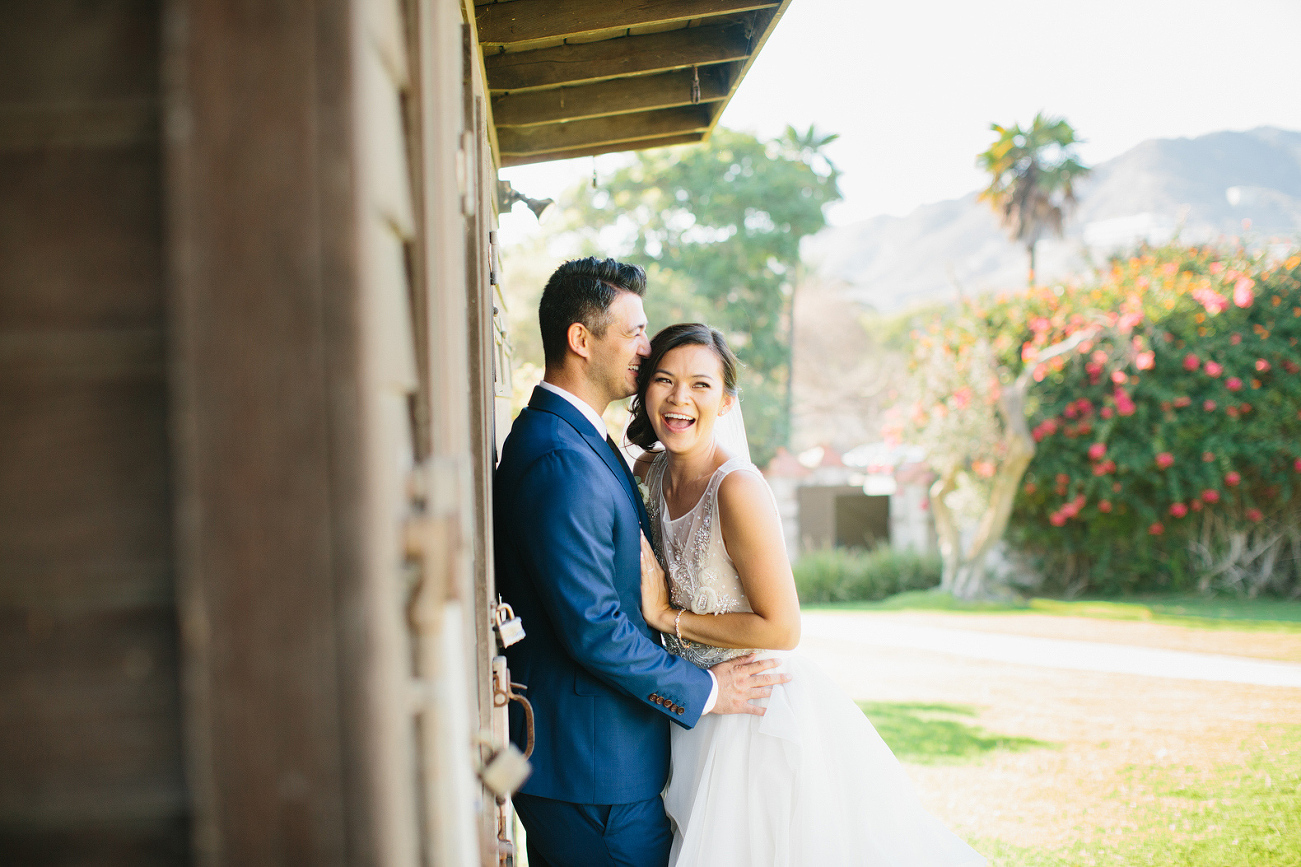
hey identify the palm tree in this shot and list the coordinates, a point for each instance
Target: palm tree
(1032, 174)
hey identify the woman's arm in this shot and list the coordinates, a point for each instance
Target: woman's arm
(752, 533)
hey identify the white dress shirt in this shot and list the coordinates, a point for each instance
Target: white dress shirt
(599, 425)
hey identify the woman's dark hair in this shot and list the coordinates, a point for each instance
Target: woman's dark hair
(640, 432)
(581, 290)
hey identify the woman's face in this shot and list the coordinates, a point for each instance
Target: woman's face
(685, 397)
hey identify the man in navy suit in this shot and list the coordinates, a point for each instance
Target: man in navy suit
(568, 521)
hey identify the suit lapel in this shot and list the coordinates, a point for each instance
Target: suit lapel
(555, 404)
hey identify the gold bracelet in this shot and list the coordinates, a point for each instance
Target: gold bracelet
(677, 624)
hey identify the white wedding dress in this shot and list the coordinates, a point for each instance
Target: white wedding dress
(810, 783)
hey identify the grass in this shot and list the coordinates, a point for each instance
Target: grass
(931, 733)
(1275, 615)
(1238, 815)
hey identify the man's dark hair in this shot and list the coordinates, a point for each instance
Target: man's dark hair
(581, 290)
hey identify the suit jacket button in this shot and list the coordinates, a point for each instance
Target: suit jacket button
(678, 710)
(655, 698)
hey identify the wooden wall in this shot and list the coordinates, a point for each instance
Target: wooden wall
(90, 735)
(250, 357)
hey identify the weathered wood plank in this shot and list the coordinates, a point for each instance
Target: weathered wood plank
(506, 23)
(524, 140)
(84, 355)
(101, 124)
(617, 96)
(80, 239)
(262, 219)
(53, 53)
(88, 732)
(84, 476)
(383, 145)
(597, 150)
(629, 55)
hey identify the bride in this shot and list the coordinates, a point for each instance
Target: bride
(810, 782)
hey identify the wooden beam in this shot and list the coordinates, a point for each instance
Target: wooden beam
(507, 23)
(617, 96)
(597, 150)
(628, 55)
(603, 130)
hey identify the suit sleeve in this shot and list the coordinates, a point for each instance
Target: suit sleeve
(568, 545)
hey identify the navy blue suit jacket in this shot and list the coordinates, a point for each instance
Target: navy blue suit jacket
(568, 521)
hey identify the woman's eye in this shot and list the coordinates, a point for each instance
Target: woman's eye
(661, 379)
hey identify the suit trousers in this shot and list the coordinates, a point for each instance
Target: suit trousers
(563, 834)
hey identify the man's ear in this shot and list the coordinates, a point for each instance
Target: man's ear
(579, 339)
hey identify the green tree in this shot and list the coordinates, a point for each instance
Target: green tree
(1032, 176)
(719, 226)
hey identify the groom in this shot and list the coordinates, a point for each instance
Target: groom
(568, 521)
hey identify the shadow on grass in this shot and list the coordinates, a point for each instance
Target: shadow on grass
(927, 733)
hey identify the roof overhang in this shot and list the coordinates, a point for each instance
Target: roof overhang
(571, 78)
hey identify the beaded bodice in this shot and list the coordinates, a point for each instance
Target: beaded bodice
(702, 578)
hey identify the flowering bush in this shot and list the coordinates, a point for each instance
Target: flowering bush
(1168, 440)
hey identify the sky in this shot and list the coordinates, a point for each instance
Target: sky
(912, 87)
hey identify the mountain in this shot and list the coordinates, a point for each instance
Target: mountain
(1202, 188)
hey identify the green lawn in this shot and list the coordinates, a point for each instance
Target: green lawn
(1275, 615)
(1240, 815)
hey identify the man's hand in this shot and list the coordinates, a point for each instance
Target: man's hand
(743, 679)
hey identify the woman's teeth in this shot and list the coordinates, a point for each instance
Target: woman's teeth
(677, 422)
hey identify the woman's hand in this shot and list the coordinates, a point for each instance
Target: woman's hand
(654, 590)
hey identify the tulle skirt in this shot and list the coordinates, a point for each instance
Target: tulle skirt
(809, 784)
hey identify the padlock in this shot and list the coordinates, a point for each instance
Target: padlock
(510, 629)
(506, 771)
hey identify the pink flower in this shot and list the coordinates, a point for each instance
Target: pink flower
(1262, 365)
(1213, 369)
(1213, 301)
(1231, 411)
(1104, 505)
(1183, 400)
(1107, 412)
(1254, 515)
(984, 469)
(1195, 505)
(1211, 495)
(1233, 384)
(1098, 357)
(1217, 267)
(1097, 450)
(1208, 456)
(1191, 362)
(1296, 465)
(1063, 479)
(1156, 529)
(1165, 460)
(1124, 405)
(1129, 320)
(1145, 360)
(1235, 339)
(1031, 487)
(1209, 406)
(1119, 377)
(1178, 510)
(1057, 519)
(1231, 478)
(1244, 408)
(1242, 295)
(962, 397)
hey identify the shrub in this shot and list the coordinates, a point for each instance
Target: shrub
(1168, 437)
(857, 575)
(1169, 444)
